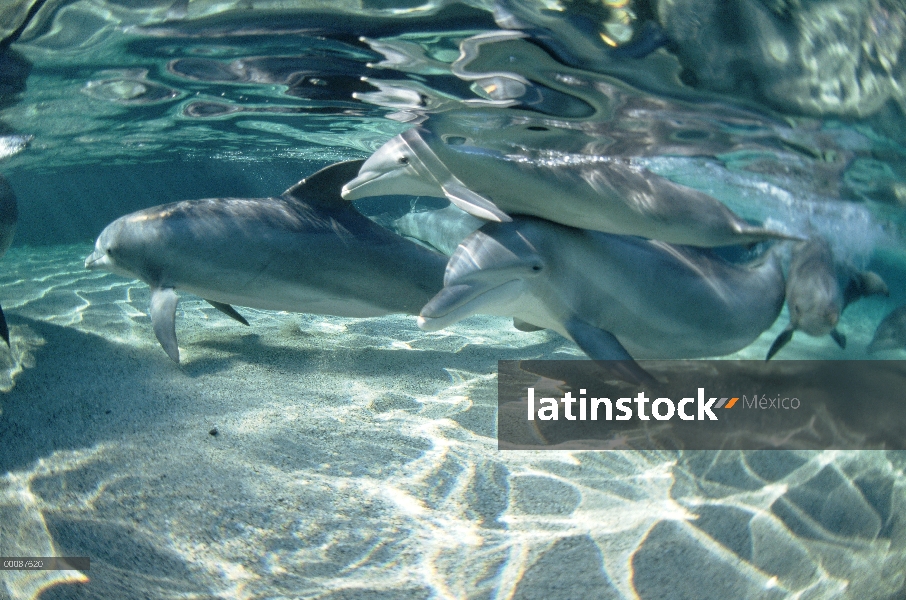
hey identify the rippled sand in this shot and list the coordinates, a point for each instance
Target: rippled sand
(358, 459)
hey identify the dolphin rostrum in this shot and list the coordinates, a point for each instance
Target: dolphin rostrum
(582, 190)
(304, 251)
(617, 297)
(9, 214)
(818, 288)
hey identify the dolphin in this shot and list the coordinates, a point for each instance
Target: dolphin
(9, 215)
(603, 193)
(818, 289)
(443, 228)
(304, 251)
(617, 297)
(891, 332)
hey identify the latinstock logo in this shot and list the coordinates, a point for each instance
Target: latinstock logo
(593, 409)
(699, 404)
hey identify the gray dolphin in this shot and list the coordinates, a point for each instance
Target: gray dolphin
(818, 289)
(891, 332)
(9, 214)
(305, 251)
(578, 189)
(617, 297)
(442, 229)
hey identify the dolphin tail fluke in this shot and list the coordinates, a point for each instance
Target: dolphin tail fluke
(163, 319)
(227, 310)
(4, 330)
(839, 338)
(602, 345)
(866, 283)
(785, 336)
(474, 204)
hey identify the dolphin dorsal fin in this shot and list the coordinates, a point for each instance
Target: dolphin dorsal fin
(325, 185)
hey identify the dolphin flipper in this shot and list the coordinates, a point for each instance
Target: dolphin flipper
(4, 330)
(603, 345)
(163, 319)
(839, 338)
(472, 203)
(785, 336)
(227, 310)
(524, 326)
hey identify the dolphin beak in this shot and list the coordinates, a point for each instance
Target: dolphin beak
(97, 260)
(354, 189)
(454, 303)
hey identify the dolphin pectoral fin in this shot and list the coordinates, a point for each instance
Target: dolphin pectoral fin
(227, 310)
(323, 187)
(472, 203)
(785, 336)
(523, 326)
(4, 330)
(603, 345)
(163, 319)
(839, 338)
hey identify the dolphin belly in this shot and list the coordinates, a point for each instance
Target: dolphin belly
(678, 302)
(290, 297)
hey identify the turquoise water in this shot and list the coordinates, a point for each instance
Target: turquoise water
(313, 456)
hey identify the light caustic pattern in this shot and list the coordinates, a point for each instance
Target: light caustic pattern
(358, 458)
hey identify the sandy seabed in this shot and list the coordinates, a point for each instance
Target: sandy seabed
(318, 457)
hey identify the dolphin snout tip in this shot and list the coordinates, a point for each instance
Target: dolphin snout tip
(95, 260)
(427, 324)
(352, 190)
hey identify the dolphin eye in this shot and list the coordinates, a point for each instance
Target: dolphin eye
(403, 160)
(537, 267)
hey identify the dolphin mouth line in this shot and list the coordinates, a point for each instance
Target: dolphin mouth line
(95, 260)
(361, 180)
(472, 304)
